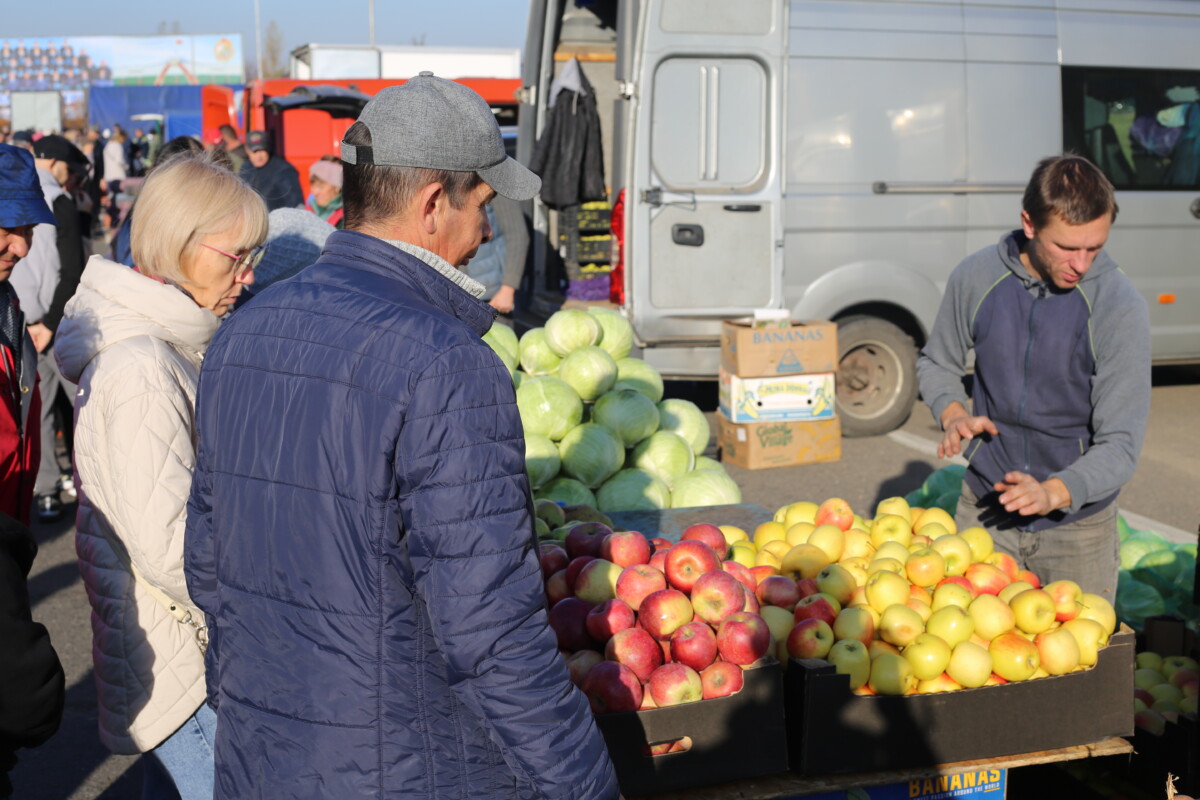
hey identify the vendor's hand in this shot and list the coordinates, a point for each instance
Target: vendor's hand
(1024, 494)
(40, 334)
(963, 429)
(502, 300)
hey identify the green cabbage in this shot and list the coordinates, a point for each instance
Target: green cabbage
(590, 370)
(633, 373)
(704, 462)
(1165, 569)
(704, 487)
(685, 418)
(542, 460)
(591, 454)
(627, 413)
(536, 356)
(664, 455)
(549, 407)
(1135, 601)
(571, 328)
(618, 333)
(505, 345)
(633, 490)
(567, 491)
(946, 479)
(1138, 545)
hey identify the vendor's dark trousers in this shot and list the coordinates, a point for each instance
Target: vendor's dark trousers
(50, 380)
(1085, 551)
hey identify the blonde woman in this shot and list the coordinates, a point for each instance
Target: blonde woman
(133, 339)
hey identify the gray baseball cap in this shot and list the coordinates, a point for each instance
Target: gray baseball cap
(434, 123)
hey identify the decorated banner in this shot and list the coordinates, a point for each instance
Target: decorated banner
(80, 62)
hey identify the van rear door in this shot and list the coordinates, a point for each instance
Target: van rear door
(704, 205)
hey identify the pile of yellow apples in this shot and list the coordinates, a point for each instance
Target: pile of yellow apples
(906, 603)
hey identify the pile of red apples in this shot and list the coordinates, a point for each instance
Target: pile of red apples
(644, 623)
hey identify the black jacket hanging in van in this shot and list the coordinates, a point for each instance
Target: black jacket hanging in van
(568, 156)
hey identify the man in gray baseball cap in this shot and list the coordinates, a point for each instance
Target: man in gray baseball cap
(377, 620)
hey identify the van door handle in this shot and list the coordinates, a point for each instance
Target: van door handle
(735, 207)
(687, 235)
(1196, 208)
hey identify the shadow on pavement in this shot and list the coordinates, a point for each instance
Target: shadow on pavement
(915, 473)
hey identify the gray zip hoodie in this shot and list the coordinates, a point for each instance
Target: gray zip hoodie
(1064, 375)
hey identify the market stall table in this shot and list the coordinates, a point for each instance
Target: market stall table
(789, 785)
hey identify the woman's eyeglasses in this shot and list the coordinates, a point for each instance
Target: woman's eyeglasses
(242, 264)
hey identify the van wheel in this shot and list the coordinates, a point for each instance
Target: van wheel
(877, 376)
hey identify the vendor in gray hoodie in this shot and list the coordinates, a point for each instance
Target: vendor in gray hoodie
(1061, 389)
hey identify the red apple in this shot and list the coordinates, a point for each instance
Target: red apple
(709, 534)
(673, 684)
(695, 645)
(687, 561)
(1007, 564)
(806, 587)
(1068, 599)
(987, 578)
(1029, 577)
(625, 548)
(580, 663)
(721, 679)
(742, 573)
(659, 560)
(810, 638)
(743, 638)
(574, 568)
(663, 612)
(659, 543)
(834, 511)
(611, 688)
(716, 595)
(568, 618)
(762, 572)
(637, 581)
(556, 588)
(637, 650)
(959, 580)
(816, 606)
(778, 591)
(584, 539)
(552, 557)
(606, 619)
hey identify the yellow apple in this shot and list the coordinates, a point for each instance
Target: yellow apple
(776, 547)
(878, 647)
(837, 581)
(767, 532)
(799, 533)
(935, 516)
(1058, 651)
(829, 538)
(951, 594)
(1098, 608)
(1033, 610)
(980, 542)
(732, 534)
(850, 657)
(802, 511)
(891, 674)
(1014, 658)
(743, 553)
(896, 506)
(868, 608)
(951, 624)
(891, 528)
(992, 616)
(928, 655)
(970, 665)
(942, 683)
(1088, 635)
(886, 589)
(855, 622)
(932, 531)
(925, 567)
(919, 542)
(955, 551)
(780, 622)
(886, 565)
(921, 607)
(899, 625)
(857, 567)
(765, 558)
(804, 561)
(1013, 589)
(893, 550)
(857, 545)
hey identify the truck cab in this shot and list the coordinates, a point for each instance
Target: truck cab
(838, 160)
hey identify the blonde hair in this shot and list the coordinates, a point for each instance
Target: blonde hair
(185, 199)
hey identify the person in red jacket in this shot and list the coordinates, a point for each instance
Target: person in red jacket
(21, 207)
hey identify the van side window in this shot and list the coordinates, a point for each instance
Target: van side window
(1141, 126)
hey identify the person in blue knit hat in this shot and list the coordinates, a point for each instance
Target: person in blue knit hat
(22, 206)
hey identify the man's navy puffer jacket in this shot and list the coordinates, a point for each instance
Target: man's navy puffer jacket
(360, 539)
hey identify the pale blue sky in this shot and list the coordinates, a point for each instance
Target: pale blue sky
(443, 23)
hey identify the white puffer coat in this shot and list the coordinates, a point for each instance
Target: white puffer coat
(133, 346)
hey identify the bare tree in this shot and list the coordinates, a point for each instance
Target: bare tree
(274, 57)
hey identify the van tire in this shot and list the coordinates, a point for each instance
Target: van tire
(877, 376)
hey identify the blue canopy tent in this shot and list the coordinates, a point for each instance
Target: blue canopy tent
(180, 107)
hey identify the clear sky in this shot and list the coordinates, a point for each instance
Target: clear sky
(442, 23)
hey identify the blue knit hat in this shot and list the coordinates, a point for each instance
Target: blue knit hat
(21, 200)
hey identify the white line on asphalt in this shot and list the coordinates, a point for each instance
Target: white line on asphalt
(1136, 521)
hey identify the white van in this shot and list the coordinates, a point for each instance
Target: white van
(838, 158)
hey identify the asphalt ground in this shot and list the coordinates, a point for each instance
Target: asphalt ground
(1163, 495)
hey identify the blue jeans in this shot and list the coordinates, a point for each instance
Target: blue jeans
(182, 766)
(1085, 551)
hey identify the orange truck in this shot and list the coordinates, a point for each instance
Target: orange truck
(307, 118)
